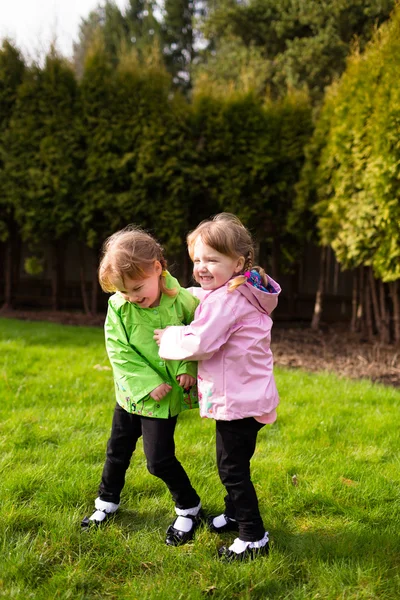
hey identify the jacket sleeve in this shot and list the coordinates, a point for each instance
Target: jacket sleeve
(133, 375)
(211, 329)
(189, 305)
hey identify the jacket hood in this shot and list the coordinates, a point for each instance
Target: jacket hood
(265, 300)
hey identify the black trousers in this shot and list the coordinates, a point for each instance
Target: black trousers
(236, 442)
(159, 449)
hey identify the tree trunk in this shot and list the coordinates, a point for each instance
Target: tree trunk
(57, 275)
(367, 305)
(12, 268)
(354, 303)
(336, 278)
(8, 281)
(275, 251)
(293, 294)
(185, 268)
(95, 287)
(82, 276)
(375, 303)
(328, 269)
(394, 294)
(360, 322)
(384, 313)
(316, 319)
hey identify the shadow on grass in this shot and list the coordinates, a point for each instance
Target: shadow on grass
(367, 545)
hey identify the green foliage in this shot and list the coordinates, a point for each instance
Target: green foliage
(121, 148)
(234, 66)
(304, 44)
(177, 37)
(248, 158)
(135, 27)
(128, 122)
(33, 265)
(12, 69)
(352, 170)
(42, 165)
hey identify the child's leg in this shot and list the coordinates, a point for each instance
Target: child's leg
(236, 441)
(159, 448)
(125, 432)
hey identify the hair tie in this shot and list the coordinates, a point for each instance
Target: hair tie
(247, 274)
(164, 273)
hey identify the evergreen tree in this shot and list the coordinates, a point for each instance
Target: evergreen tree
(136, 27)
(177, 33)
(12, 69)
(304, 44)
(42, 166)
(351, 177)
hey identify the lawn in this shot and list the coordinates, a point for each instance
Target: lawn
(327, 475)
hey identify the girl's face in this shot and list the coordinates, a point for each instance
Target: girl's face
(146, 292)
(211, 269)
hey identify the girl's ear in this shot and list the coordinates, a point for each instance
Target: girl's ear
(157, 267)
(239, 264)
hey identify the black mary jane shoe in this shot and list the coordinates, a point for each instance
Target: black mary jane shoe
(177, 537)
(248, 554)
(86, 522)
(230, 525)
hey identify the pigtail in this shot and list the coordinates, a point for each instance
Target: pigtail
(163, 283)
(241, 279)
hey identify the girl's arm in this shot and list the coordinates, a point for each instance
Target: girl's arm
(187, 304)
(211, 329)
(134, 376)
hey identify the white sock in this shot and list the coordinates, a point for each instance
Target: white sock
(102, 508)
(260, 543)
(181, 522)
(239, 545)
(183, 512)
(221, 520)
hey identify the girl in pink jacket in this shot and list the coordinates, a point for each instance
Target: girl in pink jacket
(230, 337)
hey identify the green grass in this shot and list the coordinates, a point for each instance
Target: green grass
(335, 535)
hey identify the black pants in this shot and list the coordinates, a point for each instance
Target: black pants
(159, 449)
(236, 442)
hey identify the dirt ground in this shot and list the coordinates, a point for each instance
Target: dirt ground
(294, 346)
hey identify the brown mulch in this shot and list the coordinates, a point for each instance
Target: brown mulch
(330, 349)
(336, 349)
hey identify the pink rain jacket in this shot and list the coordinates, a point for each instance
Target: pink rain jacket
(230, 337)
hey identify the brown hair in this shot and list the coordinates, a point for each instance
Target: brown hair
(130, 253)
(226, 234)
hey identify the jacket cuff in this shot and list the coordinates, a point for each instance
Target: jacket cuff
(187, 368)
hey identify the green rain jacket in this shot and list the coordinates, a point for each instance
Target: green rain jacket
(134, 358)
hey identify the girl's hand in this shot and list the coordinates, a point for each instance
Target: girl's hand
(159, 392)
(186, 381)
(158, 333)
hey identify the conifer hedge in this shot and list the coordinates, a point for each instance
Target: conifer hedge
(351, 180)
(86, 158)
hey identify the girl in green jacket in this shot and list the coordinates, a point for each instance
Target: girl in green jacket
(150, 392)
